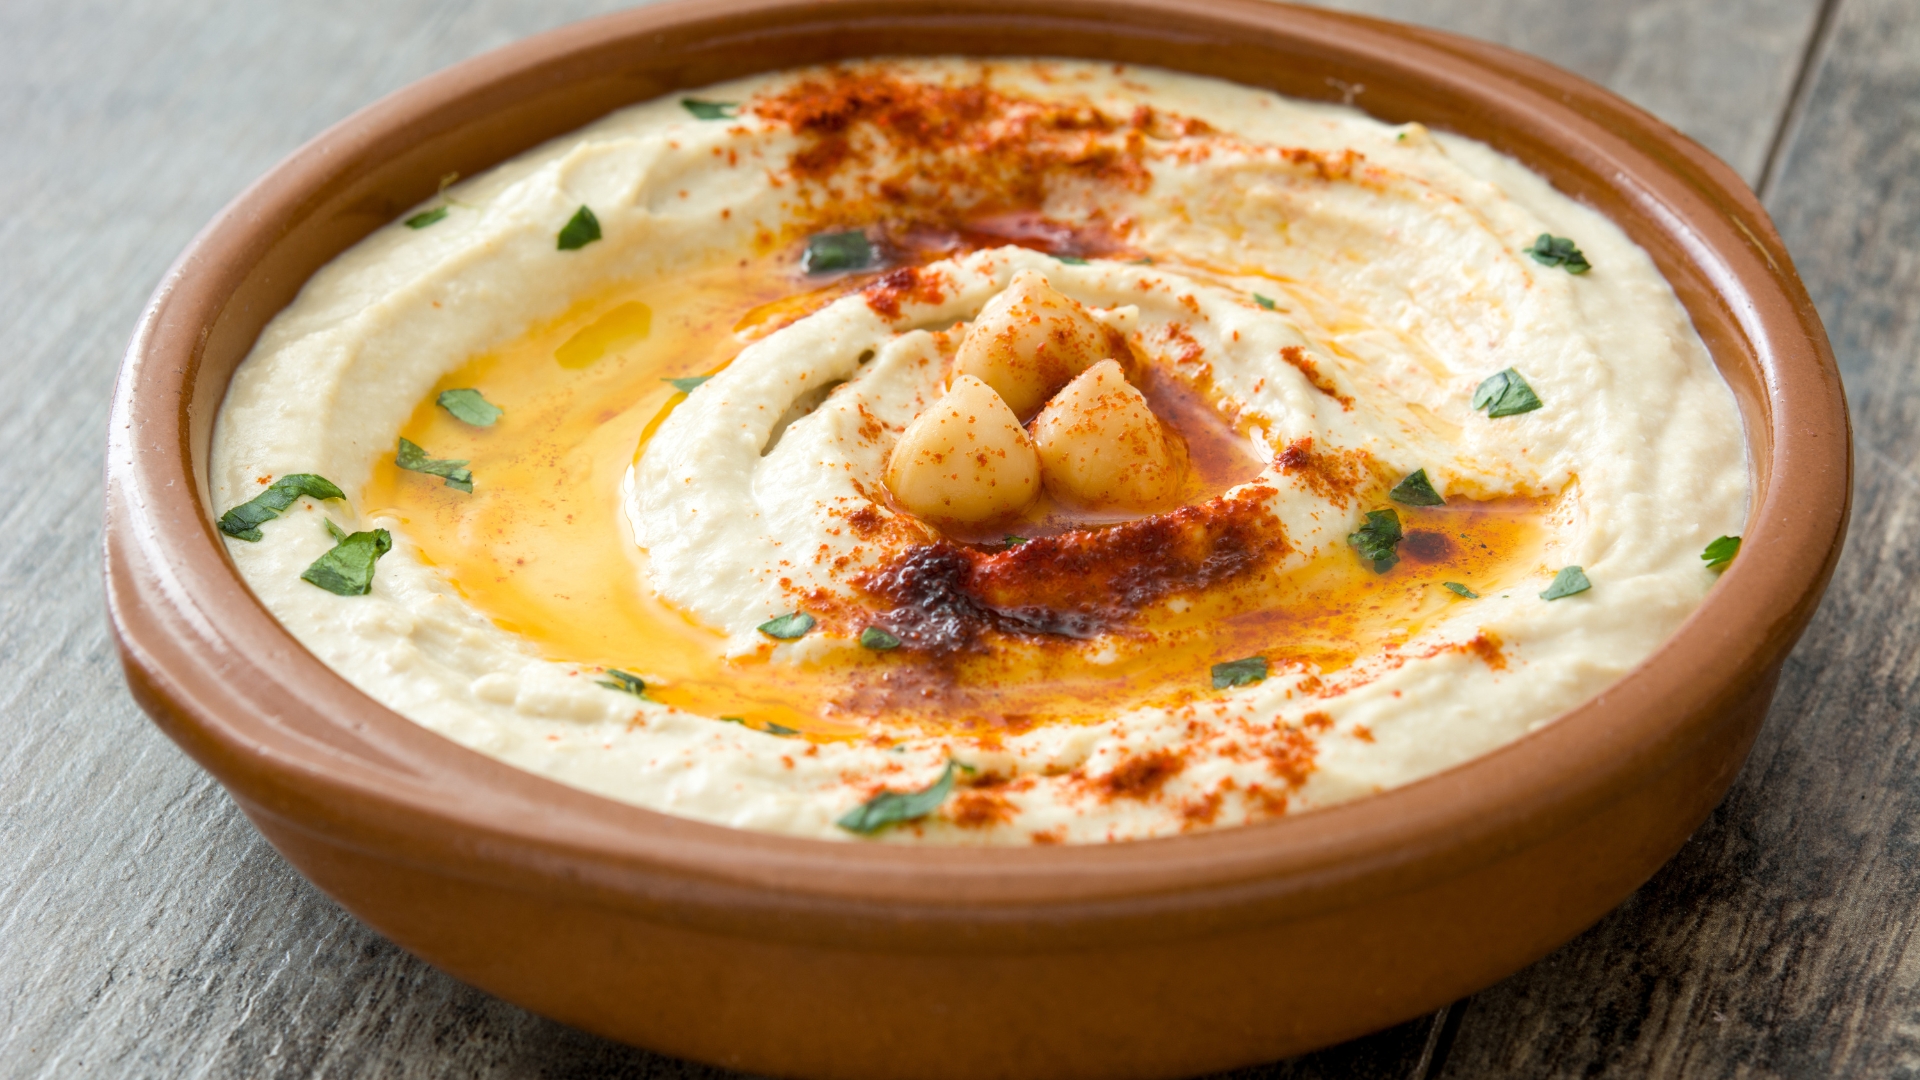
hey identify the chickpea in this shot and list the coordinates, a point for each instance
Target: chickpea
(1101, 445)
(966, 458)
(1030, 340)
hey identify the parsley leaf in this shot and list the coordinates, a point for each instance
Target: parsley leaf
(781, 730)
(1377, 540)
(787, 627)
(1505, 393)
(1416, 490)
(892, 807)
(333, 530)
(710, 110)
(878, 640)
(582, 229)
(1569, 581)
(1245, 672)
(425, 218)
(829, 252)
(1460, 590)
(623, 682)
(409, 456)
(1013, 541)
(347, 568)
(687, 384)
(468, 407)
(1720, 553)
(1550, 250)
(1071, 260)
(1263, 301)
(243, 522)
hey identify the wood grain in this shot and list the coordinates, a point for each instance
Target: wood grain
(146, 930)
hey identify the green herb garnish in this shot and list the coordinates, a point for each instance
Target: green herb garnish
(741, 720)
(893, 807)
(1569, 581)
(1550, 250)
(1505, 393)
(409, 456)
(1460, 590)
(781, 730)
(1144, 260)
(1071, 260)
(582, 229)
(1416, 490)
(425, 218)
(1377, 540)
(347, 568)
(1720, 553)
(333, 530)
(623, 682)
(1245, 672)
(878, 640)
(686, 385)
(829, 252)
(1013, 541)
(1263, 301)
(710, 110)
(787, 627)
(468, 407)
(243, 522)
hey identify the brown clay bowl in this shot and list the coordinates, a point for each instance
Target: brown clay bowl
(804, 958)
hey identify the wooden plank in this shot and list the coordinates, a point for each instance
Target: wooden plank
(1720, 71)
(144, 927)
(1782, 941)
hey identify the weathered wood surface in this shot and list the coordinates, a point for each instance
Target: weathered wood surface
(146, 930)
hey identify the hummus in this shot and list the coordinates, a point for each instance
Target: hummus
(968, 451)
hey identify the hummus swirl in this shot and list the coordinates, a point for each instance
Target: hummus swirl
(1307, 298)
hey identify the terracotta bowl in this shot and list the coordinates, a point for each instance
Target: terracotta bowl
(812, 959)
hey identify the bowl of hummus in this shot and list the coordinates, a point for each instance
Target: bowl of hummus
(847, 541)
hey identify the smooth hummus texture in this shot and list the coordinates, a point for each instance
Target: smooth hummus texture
(1330, 288)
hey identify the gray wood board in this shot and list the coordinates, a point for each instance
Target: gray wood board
(145, 929)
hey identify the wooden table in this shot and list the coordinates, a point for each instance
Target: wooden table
(146, 929)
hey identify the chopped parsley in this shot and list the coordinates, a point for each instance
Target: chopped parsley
(426, 217)
(781, 730)
(710, 110)
(1550, 250)
(1568, 582)
(409, 456)
(1460, 590)
(892, 807)
(333, 530)
(830, 252)
(624, 682)
(243, 522)
(1720, 553)
(582, 229)
(686, 385)
(468, 407)
(1244, 672)
(787, 627)
(1377, 540)
(878, 640)
(741, 720)
(1013, 541)
(1263, 301)
(1071, 260)
(347, 568)
(1416, 490)
(1505, 393)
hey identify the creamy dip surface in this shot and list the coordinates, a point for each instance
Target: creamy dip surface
(736, 600)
